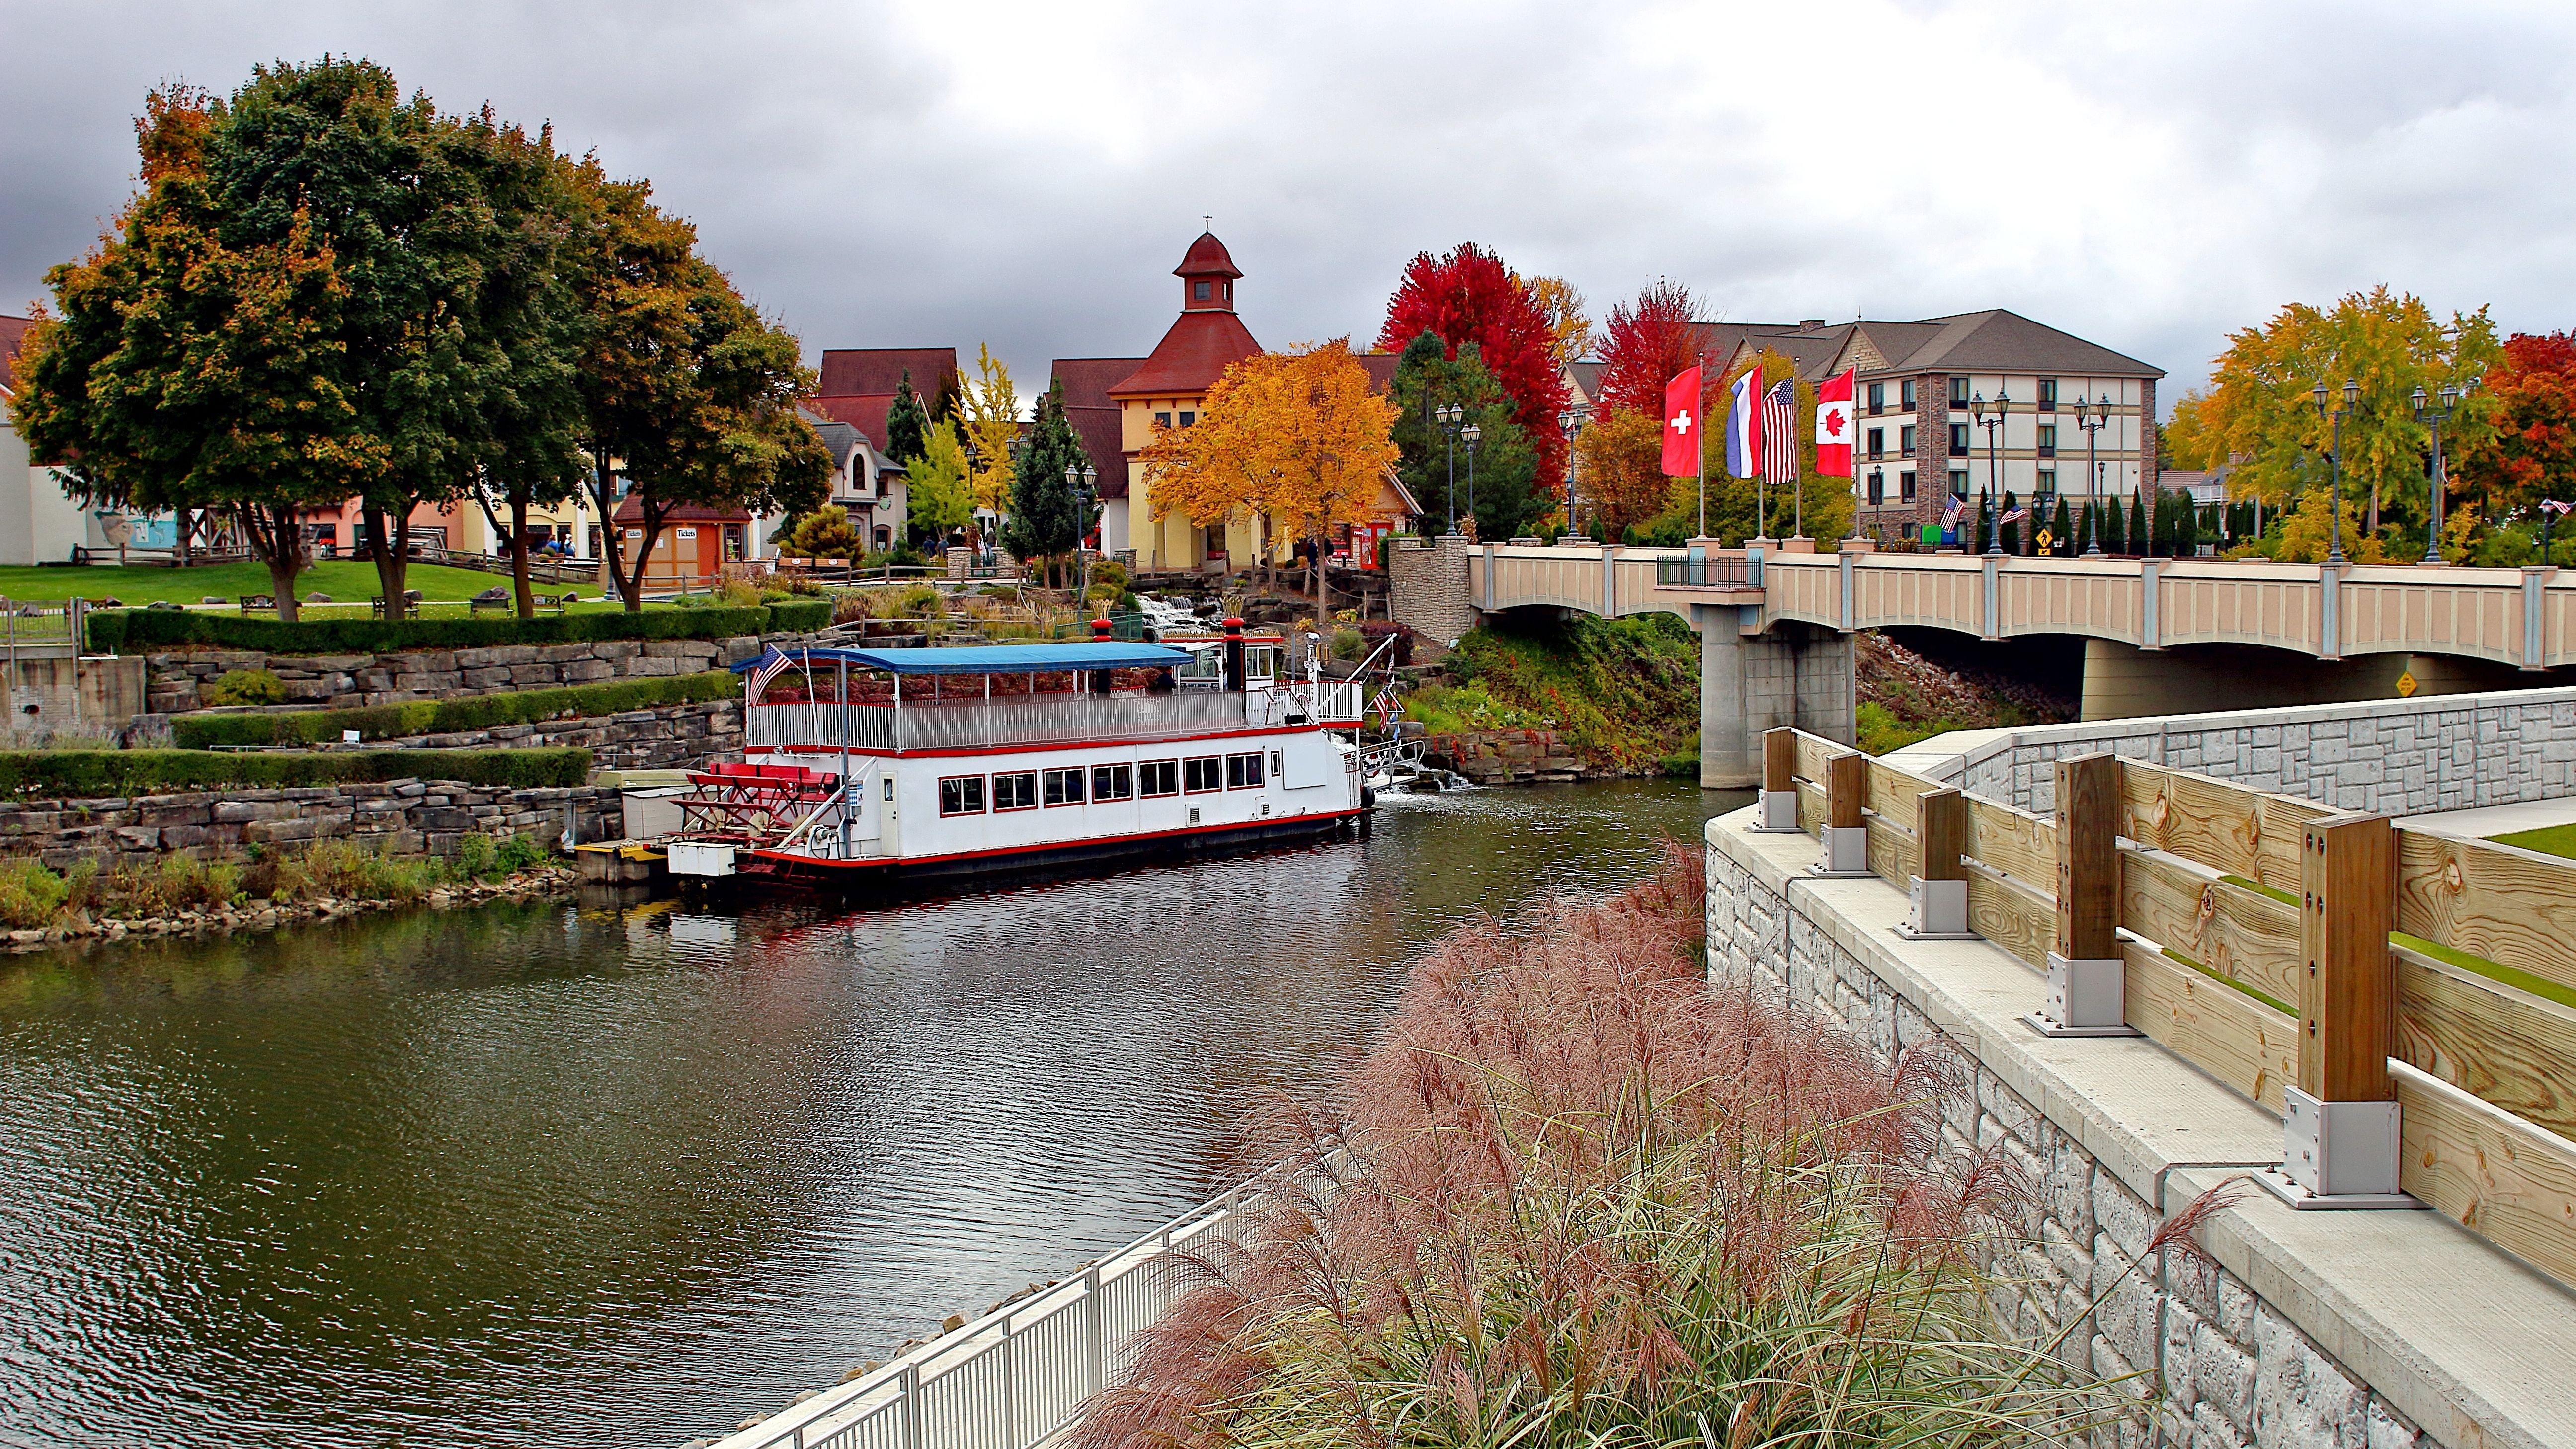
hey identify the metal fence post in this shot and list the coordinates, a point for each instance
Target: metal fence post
(1096, 1349)
(908, 1384)
(2087, 979)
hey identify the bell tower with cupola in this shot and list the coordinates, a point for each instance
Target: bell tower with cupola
(1207, 276)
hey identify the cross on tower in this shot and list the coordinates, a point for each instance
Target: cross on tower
(1207, 221)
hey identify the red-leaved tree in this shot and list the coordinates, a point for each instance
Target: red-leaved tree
(1470, 296)
(2532, 401)
(1644, 345)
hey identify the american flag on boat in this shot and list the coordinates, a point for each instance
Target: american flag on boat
(1780, 432)
(769, 666)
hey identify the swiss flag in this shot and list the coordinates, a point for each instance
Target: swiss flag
(1834, 425)
(1682, 424)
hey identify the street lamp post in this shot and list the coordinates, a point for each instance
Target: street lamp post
(2434, 417)
(2092, 415)
(2334, 460)
(1084, 484)
(1992, 420)
(1570, 423)
(1471, 433)
(1447, 417)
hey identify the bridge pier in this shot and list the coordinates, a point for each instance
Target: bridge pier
(1791, 675)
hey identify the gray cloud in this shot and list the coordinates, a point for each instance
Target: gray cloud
(2150, 177)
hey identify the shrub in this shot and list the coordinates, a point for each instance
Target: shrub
(920, 601)
(1348, 645)
(243, 686)
(30, 895)
(1575, 1196)
(824, 533)
(801, 616)
(443, 716)
(1111, 572)
(133, 630)
(47, 774)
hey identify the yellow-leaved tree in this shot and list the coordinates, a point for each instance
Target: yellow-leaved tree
(988, 413)
(1296, 440)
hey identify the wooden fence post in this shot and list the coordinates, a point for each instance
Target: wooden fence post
(1779, 796)
(1939, 895)
(2087, 980)
(1846, 838)
(2340, 1129)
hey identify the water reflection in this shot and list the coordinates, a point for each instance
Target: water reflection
(622, 1176)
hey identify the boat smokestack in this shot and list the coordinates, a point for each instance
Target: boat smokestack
(1233, 652)
(1100, 631)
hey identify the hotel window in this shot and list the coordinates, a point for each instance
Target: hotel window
(1189, 420)
(1064, 787)
(1958, 482)
(1877, 442)
(1905, 395)
(1243, 772)
(1958, 440)
(961, 795)
(2047, 489)
(1877, 487)
(1158, 777)
(1015, 792)
(1958, 392)
(1116, 782)
(1905, 486)
(1877, 398)
(2048, 394)
(1202, 775)
(1162, 420)
(1199, 291)
(2048, 440)
(1905, 441)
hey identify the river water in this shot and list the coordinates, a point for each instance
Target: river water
(621, 1176)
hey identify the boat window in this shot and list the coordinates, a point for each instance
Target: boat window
(961, 795)
(1015, 792)
(1159, 777)
(1115, 782)
(1206, 774)
(1064, 787)
(1260, 661)
(1243, 772)
(1274, 764)
(1204, 664)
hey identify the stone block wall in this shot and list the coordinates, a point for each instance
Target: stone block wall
(349, 680)
(2215, 1366)
(399, 817)
(1507, 757)
(1427, 583)
(2399, 757)
(644, 739)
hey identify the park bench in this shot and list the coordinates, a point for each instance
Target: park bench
(254, 603)
(410, 604)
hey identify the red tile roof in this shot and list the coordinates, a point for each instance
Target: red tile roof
(863, 411)
(1380, 367)
(852, 370)
(1094, 413)
(630, 511)
(1191, 357)
(13, 330)
(1206, 257)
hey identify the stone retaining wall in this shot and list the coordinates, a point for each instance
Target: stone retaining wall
(1507, 757)
(349, 680)
(2117, 1134)
(2395, 756)
(666, 737)
(1427, 590)
(400, 817)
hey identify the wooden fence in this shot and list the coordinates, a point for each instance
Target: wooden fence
(2271, 941)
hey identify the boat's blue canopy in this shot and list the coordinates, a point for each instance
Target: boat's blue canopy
(994, 658)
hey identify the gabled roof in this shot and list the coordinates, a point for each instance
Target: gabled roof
(859, 370)
(865, 412)
(1207, 257)
(1191, 357)
(1718, 341)
(13, 330)
(1996, 340)
(1094, 413)
(1586, 379)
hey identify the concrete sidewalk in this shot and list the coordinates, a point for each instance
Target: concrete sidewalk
(2494, 820)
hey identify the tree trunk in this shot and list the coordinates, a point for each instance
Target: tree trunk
(273, 533)
(612, 542)
(630, 582)
(187, 529)
(519, 554)
(2374, 508)
(389, 583)
(1323, 593)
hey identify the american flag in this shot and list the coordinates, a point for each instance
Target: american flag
(769, 666)
(1951, 512)
(2556, 507)
(1780, 432)
(2013, 515)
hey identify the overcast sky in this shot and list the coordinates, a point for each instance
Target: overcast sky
(2146, 176)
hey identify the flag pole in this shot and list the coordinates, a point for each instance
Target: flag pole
(1701, 364)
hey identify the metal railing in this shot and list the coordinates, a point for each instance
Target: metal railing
(1043, 720)
(1016, 1377)
(44, 628)
(1731, 571)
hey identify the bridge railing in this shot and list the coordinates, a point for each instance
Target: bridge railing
(2312, 960)
(1724, 571)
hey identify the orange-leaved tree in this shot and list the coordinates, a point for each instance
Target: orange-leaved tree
(1297, 440)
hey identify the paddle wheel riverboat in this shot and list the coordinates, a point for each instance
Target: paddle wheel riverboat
(882, 766)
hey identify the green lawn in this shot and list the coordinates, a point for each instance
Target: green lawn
(2551, 840)
(344, 581)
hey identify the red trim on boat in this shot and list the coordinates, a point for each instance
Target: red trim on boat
(790, 858)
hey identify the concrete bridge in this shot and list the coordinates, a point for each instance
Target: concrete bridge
(2156, 635)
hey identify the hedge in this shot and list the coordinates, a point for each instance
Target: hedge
(442, 716)
(121, 630)
(91, 774)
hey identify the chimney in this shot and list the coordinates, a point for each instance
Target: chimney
(1811, 324)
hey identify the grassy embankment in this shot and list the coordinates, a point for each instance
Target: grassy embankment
(1623, 692)
(34, 896)
(340, 579)
(1905, 697)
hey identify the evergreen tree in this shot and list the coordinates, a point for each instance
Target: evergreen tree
(2115, 538)
(1976, 542)
(2062, 528)
(906, 422)
(1046, 520)
(1505, 464)
(2012, 532)
(2140, 541)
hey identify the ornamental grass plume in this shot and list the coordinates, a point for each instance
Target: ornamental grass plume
(1579, 1196)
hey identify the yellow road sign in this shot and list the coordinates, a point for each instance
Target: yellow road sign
(2406, 685)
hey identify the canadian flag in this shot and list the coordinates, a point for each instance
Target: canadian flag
(1834, 425)
(1682, 426)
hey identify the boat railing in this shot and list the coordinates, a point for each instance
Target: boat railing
(980, 724)
(1018, 1376)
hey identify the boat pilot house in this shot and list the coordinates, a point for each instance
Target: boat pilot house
(878, 765)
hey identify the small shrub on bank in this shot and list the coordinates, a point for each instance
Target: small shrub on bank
(89, 774)
(244, 687)
(30, 895)
(445, 716)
